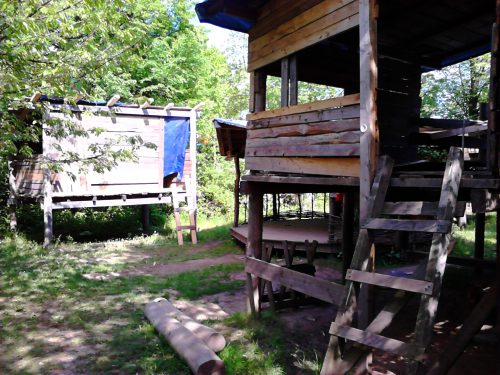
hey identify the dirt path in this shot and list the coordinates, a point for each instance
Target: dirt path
(167, 269)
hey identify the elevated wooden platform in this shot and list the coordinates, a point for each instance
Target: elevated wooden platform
(297, 231)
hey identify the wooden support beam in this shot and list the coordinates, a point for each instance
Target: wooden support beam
(258, 92)
(347, 230)
(368, 14)
(47, 209)
(145, 218)
(285, 82)
(479, 235)
(318, 288)
(494, 98)
(236, 191)
(294, 82)
(254, 244)
(112, 101)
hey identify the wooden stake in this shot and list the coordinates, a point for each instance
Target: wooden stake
(168, 107)
(198, 106)
(111, 102)
(36, 97)
(147, 103)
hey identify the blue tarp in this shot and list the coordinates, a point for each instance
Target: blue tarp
(175, 143)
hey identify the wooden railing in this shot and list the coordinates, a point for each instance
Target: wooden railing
(304, 138)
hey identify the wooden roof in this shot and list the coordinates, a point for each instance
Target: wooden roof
(232, 135)
(433, 33)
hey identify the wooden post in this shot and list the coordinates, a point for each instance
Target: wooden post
(12, 197)
(47, 209)
(368, 96)
(254, 244)
(258, 92)
(369, 141)
(285, 83)
(275, 207)
(479, 235)
(347, 231)
(498, 277)
(145, 218)
(494, 96)
(193, 200)
(236, 191)
(294, 83)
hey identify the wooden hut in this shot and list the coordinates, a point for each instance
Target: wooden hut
(365, 143)
(164, 173)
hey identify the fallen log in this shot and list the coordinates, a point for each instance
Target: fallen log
(199, 357)
(213, 339)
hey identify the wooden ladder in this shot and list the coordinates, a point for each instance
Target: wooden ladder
(186, 197)
(350, 346)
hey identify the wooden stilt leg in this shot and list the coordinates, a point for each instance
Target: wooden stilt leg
(254, 245)
(47, 210)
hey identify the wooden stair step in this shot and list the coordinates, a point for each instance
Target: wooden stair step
(376, 341)
(418, 208)
(401, 283)
(429, 226)
(185, 227)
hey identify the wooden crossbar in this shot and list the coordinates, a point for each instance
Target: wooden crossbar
(321, 289)
(418, 208)
(377, 341)
(429, 226)
(401, 283)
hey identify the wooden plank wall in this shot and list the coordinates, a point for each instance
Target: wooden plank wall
(126, 178)
(315, 138)
(286, 27)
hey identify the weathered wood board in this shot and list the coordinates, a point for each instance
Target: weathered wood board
(316, 138)
(313, 25)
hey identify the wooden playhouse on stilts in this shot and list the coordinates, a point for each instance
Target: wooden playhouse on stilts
(164, 173)
(365, 144)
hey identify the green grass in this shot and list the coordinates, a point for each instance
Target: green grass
(465, 238)
(52, 313)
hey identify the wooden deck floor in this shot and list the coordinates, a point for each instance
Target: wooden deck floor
(296, 231)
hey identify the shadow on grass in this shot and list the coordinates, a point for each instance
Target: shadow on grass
(53, 318)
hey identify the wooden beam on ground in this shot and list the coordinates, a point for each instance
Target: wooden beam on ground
(200, 359)
(318, 288)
